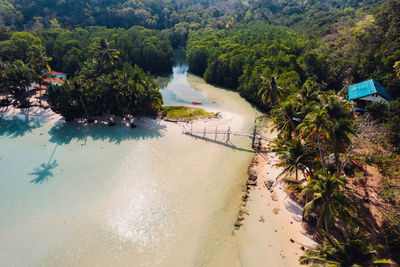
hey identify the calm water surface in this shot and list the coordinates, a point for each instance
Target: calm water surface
(113, 196)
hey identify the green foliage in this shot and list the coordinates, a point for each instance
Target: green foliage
(18, 76)
(65, 100)
(354, 250)
(149, 49)
(349, 11)
(378, 111)
(186, 113)
(294, 157)
(9, 15)
(394, 124)
(271, 94)
(329, 199)
(19, 46)
(284, 117)
(391, 231)
(372, 44)
(239, 58)
(115, 93)
(389, 166)
(158, 14)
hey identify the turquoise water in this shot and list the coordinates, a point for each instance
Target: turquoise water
(73, 195)
(179, 92)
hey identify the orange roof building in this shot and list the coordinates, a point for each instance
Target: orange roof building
(52, 80)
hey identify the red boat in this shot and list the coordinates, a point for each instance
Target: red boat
(196, 103)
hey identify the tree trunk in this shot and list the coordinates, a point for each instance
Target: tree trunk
(5, 95)
(290, 120)
(337, 161)
(40, 94)
(327, 229)
(320, 151)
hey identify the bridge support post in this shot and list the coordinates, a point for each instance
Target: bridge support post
(254, 134)
(228, 134)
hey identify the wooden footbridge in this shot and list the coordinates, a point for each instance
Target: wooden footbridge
(256, 138)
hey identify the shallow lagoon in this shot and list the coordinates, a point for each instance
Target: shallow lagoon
(96, 195)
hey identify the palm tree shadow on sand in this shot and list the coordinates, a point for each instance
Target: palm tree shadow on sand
(65, 133)
(44, 171)
(17, 127)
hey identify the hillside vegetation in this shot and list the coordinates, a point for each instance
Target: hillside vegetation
(293, 59)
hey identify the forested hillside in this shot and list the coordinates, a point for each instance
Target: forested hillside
(69, 49)
(239, 58)
(292, 59)
(351, 51)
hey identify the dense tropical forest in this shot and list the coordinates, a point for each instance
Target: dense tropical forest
(292, 59)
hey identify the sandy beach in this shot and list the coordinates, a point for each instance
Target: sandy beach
(271, 234)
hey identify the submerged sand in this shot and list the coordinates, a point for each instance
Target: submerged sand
(272, 232)
(263, 240)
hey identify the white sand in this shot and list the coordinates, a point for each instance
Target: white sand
(264, 238)
(226, 119)
(274, 219)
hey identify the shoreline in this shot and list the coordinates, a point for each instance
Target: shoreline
(33, 112)
(270, 218)
(48, 115)
(271, 231)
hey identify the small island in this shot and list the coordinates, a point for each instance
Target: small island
(185, 113)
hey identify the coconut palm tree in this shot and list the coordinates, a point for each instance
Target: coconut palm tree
(294, 156)
(20, 77)
(104, 56)
(270, 92)
(336, 107)
(329, 199)
(151, 98)
(340, 139)
(284, 117)
(4, 81)
(356, 250)
(307, 97)
(39, 62)
(316, 126)
(339, 113)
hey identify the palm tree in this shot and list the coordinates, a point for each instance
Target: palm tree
(283, 117)
(316, 125)
(271, 96)
(339, 113)
(40, 65)
(356, 250)
(20, 77)
(271, 93)
(329, 199)
(104, 56)
(152, 98)
(307, 97)
(336, 107)
(4, 81)
(340, 139)
(294, 156)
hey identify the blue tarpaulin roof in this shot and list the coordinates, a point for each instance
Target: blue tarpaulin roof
(367, 88)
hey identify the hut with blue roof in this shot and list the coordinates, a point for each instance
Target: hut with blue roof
(368, 91)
